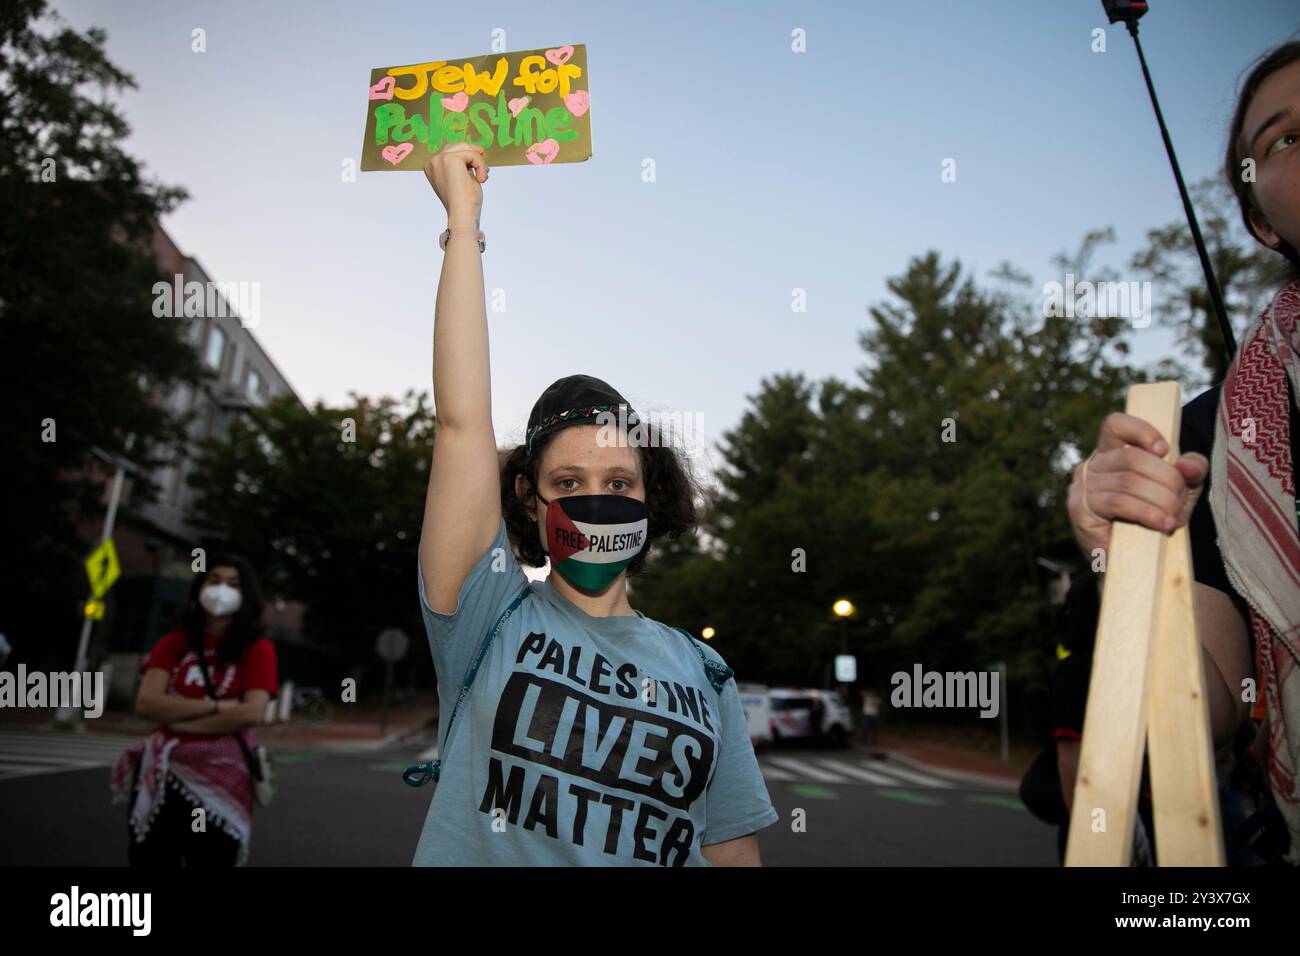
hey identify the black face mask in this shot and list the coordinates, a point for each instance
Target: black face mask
(591, 539)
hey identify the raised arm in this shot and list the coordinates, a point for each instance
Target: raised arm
(462, 508)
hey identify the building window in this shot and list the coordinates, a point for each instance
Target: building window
(206, 420)
(237, 364)
(254, 386)
(216, 349)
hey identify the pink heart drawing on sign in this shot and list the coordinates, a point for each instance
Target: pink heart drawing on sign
(560, 55)
(383, 90)
(395, 154)
(577, 102)
(543, 152)
(517, 105)
(456, 103)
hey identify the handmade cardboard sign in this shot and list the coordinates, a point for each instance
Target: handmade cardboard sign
(529, 107)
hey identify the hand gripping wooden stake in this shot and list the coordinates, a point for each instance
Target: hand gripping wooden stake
(1147, 686)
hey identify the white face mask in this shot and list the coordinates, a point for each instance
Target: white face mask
(220, 600)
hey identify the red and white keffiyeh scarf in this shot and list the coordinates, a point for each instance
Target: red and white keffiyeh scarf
(1253, 499)
(209, 773)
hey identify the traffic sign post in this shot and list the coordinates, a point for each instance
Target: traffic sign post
(846, 668)
(103, 570)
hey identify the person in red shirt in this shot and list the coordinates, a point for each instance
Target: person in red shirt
(191, 765)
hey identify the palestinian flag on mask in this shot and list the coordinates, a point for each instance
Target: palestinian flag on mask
(592, 538)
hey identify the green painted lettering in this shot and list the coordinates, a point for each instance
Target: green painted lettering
(435, 123)
(529, 127)
(388, 116)
(557, 118)
(483, 126)
(503, 121)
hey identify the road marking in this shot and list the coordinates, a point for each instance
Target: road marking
(814, 792)
(31, 753)
(45, 758)
(776, 773)
(807, 769)
(9, 771)
(995, 801)
(862, 773)
(924, 779)
(911, 797)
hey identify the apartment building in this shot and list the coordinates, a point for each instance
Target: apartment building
(155, 540)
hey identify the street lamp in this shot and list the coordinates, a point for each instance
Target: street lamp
(843, 609)
(708, 633)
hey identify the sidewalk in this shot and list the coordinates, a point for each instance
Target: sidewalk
(359, 733)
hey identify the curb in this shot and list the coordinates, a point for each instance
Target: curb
(969, 776)
(325, 745)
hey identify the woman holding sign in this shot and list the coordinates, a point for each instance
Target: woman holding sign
(573, 729)
(1234, 482)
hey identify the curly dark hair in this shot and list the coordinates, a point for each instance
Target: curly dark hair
(1269, 63)
(671, 492)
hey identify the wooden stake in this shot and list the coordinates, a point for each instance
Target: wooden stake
(1147, 669)
(1185, 794)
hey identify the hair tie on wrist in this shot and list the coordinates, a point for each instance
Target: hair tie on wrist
(1083, 481)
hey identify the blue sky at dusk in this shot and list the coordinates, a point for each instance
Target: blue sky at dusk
(775, 170)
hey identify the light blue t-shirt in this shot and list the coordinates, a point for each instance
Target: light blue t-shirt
(584, 740)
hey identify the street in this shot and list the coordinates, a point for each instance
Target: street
(336, 809)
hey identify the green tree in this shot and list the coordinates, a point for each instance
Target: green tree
(925, 492)
(1247, 273)
(82, 357)
(327, 503)
(980, 405)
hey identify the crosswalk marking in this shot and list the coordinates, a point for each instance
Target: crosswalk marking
(27, 754)
(790, 769)
(915, 776)
(42, 759)
(862, 773)
(8, 771)
(776, 773)
(806, 770)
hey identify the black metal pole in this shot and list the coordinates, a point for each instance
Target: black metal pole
(1216, 295)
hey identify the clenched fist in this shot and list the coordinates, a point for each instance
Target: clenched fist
(1128, 479)
(457, 173)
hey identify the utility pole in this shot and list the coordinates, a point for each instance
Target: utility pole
(72, 715)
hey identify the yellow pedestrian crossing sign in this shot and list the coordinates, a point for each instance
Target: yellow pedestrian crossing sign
(102, 568)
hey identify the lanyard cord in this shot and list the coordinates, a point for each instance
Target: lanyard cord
(420, 774)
